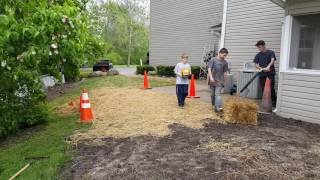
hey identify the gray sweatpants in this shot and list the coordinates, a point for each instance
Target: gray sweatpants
(216, 98)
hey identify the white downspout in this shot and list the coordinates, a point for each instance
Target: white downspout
(224, 23)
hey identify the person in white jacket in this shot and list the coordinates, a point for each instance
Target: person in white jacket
(183, 72)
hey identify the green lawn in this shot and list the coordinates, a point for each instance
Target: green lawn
(50, 139)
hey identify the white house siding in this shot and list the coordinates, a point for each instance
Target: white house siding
(299, 96)
(178, 26)
(247, 22)
(299, 93)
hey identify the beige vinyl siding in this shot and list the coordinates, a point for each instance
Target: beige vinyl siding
(178, 26)
(299, 96)
(302, 7)
(250, 21)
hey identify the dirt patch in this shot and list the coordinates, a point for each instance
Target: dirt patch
(58, 90)
(68, 108)
(277, 148)
(122, 113)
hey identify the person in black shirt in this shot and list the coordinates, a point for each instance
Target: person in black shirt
(264, 61)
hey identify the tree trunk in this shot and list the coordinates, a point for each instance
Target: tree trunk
(130, 43)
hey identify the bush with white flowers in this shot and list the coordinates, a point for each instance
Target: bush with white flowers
(36, 39)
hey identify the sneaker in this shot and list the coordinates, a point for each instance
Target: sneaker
(274, 104)
(219, 109)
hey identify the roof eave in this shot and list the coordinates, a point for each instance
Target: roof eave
(281, 3)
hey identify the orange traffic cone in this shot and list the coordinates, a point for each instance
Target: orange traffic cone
(192, 93)
(145, 81)
(85, 112)
(266, 104)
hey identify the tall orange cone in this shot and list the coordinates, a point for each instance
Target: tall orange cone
(192, 93)
(145, 81)
(86, 115)
(266, 104)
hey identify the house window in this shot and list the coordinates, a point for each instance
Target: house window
(305, 47)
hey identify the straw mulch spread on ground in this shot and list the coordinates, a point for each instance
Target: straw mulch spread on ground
(124, 113)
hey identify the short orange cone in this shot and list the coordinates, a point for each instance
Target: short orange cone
(86, 115)
(266, 104)
(145, 81)
(192, 93)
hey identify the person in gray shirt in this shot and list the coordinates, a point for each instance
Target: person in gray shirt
(217, 67)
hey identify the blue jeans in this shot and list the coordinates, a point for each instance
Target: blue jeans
(216, 98)
(182, 93)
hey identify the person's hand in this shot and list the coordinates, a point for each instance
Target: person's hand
(213, 81)
(258, 67)
(267, 69)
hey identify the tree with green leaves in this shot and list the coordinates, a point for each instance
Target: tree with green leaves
(39, 37)
(123, 24)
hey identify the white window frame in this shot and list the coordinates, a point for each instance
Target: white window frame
(286, 48)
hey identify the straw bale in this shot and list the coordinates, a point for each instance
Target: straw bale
(241, 111)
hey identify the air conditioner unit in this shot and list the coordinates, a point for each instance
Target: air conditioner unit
(254, 90)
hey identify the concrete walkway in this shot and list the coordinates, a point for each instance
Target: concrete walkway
(202, 90)
(128, 71)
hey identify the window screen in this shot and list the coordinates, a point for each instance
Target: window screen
(305, 47)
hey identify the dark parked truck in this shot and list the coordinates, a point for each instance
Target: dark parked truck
(103, 65)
